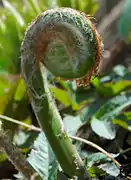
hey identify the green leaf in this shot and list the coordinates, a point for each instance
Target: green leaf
(10, 107)
(101, 122)
(24, 140)
(113, 106)
(95, 158)
(42, 158)
(123, 120)
(103, 128)
(65, 95)
(110, 168)
(99, 164)
(53, 165)
(126, 116)
(38, 157)
(121, 123)
(117, 81)
(111, 88)
(120, 86)
(20, 91)
(9, 40)
(61, 96)
(6, 106)
(96, 172)
(72, 124)
(91, 108)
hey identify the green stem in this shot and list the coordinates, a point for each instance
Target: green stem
(66, 43)
(51, 123)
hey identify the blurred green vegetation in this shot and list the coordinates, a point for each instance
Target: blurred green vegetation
(124, 23)
(102, 107)
(14, 18)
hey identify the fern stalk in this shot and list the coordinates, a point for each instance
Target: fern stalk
(66, 43)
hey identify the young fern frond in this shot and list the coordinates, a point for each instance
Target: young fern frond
(65, 42)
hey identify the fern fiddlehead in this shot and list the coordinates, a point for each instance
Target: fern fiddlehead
(65, 42)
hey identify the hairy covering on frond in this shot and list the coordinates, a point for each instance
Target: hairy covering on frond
(67, 43)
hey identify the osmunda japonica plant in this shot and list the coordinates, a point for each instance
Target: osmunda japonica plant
(66, 43)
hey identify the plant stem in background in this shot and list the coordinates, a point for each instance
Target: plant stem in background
(16, 157)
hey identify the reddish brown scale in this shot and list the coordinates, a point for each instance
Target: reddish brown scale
(84, 81)
(78, 83)
(87, 79)
(41, 47)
